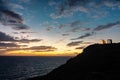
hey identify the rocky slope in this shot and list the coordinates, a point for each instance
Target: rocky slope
(97, 62)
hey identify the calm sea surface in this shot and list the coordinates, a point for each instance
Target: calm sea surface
(21, 68)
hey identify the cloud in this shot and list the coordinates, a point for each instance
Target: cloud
(98, 28)
(33, 49)
(107, 26)
(21, 27)
(15, 32)
(12, 14)
(76, 43)
(28, 40)
(84, 36)
(42, 48)
(11, 18)
(8, 45)
(54, 16)
(5, 47)
(68, 7)
(27, 32)
(100, 15)
(15, 6)
(65, 34)
(5, 37)
(60, 40)
(61, 26)
(76, 29)
(87, 42)
(7, 50)
(49, 28)
(73, 24)
(23, 32)
(110, 3)
(82, 47)
(52, 3)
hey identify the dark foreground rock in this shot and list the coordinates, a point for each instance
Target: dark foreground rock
(97, 62)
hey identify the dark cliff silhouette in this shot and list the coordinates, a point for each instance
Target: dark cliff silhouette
(97, 62)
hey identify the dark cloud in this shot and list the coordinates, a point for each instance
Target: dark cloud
(49, 28)
(88, 42)
(107, 26)
(8, 45)
(84, 36)
(25, 32)
(65, 34)
(76, 43)
(15, 32)
(28, 40)
(42, 48)
(11, 18)
(20, 27)
(12, 15)
(82, 47)
(77, 2)
(5, 37)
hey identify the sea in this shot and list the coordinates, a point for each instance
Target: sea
(22, 68)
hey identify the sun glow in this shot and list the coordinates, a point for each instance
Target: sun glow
(35, 53)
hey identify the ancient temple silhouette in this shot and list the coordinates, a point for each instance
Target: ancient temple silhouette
(109, 41)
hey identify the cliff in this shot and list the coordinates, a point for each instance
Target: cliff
(97, 62)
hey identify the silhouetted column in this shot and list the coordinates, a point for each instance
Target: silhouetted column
(109, 41)
(103, 41)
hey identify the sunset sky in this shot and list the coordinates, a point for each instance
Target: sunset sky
(56, 27)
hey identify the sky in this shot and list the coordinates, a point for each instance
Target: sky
(56, 27)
